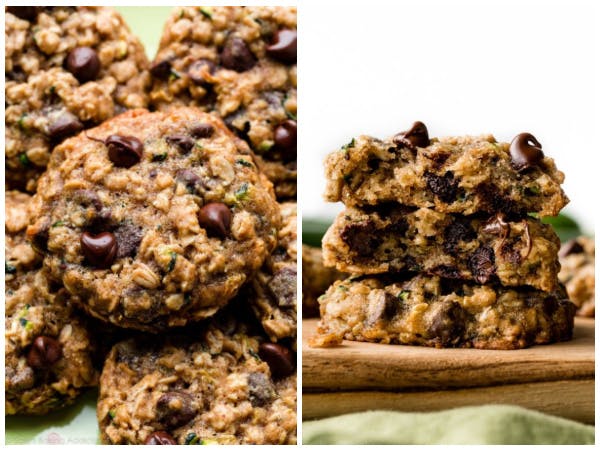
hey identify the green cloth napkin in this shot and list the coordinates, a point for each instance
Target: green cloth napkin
(492, 424)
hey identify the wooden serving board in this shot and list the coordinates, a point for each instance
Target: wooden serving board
(557, 379)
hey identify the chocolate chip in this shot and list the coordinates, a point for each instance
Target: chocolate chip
(181, 141)
(160, 438)
(525, 151)
(124, 151)
(444, 187)
(570, 248)
(359, 237)
(161, 69)
(236, 55)
(215, 218)
(280, 359)
(44, 352)
(28, 13)
(493, 201)
(129, 237)
(100, 250)
(283, 287)
(482, 264)
(39, 236)
(283, 47)
(448, 323)
(65, 125)
(261, 391)
(202, 130)
(381, 307)
(238, 123)
(497, 226)
(416, 136)
(190, 180)
(458, 230)
(174, 409)
(83, 63)
(198, 71)
(286, 140)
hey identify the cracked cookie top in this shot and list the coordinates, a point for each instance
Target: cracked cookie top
(465, 175)
(154, 219)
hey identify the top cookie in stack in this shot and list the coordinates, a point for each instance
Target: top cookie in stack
(442, 237)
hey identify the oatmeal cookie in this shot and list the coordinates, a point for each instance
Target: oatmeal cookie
(154, 219)
(209, 386)
(48, 352)
(66, 69)
(240, 62)
(316, 278)
(578, 261)
(392, 238)
(436, 312)
(20, 257)
(465, 175)
(272, 291)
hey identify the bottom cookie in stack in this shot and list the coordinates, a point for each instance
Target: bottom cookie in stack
(215, 383)
(435, 312)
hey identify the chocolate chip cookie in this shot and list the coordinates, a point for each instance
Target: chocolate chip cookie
(48, 353)
(272, 291)
(152, 220)
(66, 69)
(465, 175)
(578, 261)
(316, 279)
(436, 312)
(391, 238)
(241, 63)
(214, 384)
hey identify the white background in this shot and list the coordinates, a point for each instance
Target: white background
(462, 67)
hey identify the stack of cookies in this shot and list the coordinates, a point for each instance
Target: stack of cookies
(170, 234)
(444, 242)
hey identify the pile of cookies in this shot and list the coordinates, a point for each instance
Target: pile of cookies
(156, 258)
(444, 243)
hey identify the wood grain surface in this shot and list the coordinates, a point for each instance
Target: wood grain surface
(357, 376)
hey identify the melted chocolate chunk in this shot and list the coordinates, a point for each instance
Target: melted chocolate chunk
(482, 264)
(359, 237)
(174, 409)
(444, 187)
(448, 323)
(458, 230)
(261, 391)
(283, 287)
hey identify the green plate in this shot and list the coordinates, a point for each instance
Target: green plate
(77, 424)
